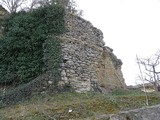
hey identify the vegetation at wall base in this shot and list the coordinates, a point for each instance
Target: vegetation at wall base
(30, 48)
(23, 51)
(76, 106)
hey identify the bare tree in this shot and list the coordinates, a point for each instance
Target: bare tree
(12, 5)
(141, 78)
(150, 72)
(42, 3)
(32, 4)
(16, 5)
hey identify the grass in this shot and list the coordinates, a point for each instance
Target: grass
(76, 106)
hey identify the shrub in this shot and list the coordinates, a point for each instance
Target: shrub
(22, 46)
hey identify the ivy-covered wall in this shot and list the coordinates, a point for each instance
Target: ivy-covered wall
(29, 44)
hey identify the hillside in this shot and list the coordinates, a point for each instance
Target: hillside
(50, 50)
(77, 106)
(55, 66)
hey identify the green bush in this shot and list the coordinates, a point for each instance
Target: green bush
(22, 48)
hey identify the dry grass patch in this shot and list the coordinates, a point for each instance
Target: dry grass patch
(67, 105)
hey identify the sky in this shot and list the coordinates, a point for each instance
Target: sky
(130, 28)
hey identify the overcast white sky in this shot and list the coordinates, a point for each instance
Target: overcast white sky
(130, 27)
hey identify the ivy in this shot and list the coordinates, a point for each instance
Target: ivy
(53, 59)
(26, 48)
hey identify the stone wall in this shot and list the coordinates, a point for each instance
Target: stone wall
(88, 65)
(148, 113)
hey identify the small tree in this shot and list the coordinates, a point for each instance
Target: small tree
(31, 5)
(150, 69)
(69, 5)
(12, 5)
(16, 5)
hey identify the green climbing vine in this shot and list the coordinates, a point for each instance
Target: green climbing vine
(27, 48)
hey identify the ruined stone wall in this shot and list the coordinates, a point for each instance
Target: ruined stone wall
(148, 113)
(88, 65)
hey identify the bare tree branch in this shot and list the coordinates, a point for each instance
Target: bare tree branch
(12, 5)
(150, 68)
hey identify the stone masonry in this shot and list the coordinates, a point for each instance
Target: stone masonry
(146, 113)
(88, 65)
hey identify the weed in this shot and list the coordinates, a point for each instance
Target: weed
(82, 105)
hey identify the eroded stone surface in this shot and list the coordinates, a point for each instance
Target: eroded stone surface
(148, 113)
(88, 65)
